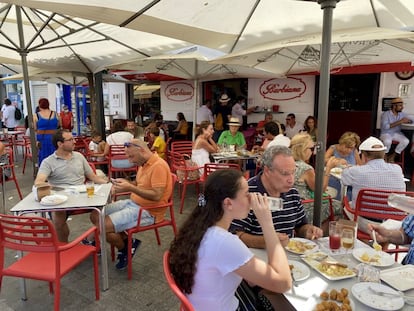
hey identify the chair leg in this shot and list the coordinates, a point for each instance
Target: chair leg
(112, 253)
(157, 235)
(183, 197)
(24, 164)
(96, 275)
(129, 267)
(57, 294)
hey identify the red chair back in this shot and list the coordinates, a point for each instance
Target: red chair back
(117, 152)
(211, 167)
(185, 303)
(184, 147)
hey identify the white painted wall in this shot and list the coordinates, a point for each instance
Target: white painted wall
(186, 104)
(117, 98)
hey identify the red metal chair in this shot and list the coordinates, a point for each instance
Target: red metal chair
(12, 176)
(186, 175)
(373, 204)
(211, 167)
(184, 147)
(117, 152)
(325, 198)
(44, 257)
(185, 303)
(139, 228)
(27, 152)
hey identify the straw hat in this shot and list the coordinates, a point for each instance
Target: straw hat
(234, 121)
(396, 100)
(224, 98)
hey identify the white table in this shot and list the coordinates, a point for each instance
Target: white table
(305, 296)
(75, 201)
(234, 156)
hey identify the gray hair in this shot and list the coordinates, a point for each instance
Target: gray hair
(272, 151)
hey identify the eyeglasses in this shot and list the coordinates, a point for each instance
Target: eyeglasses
(69, 139)
(131, 144)
(288, 119)
(284, 172)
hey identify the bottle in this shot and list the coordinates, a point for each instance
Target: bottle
(401, 202)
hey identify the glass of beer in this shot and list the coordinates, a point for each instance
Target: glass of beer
(347, 239)
(90, 188)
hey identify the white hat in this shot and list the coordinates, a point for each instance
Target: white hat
(224, 98)
(234, 121)
(372, 144)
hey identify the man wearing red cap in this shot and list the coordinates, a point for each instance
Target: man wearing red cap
(391, 121)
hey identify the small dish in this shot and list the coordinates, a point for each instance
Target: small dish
(401, 278)
(301, 246)
(364, 293)
(54, 199)
(372, 257)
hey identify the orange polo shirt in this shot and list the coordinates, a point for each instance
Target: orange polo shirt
(155, 173)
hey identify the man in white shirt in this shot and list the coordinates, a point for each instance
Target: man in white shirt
(292, 128)
(9, 121)
(238, 110)
(204, 113)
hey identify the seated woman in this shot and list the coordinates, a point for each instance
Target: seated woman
(208, 262)
(302, 147)
(233, 136)
(204, 145)
(159, 145)
(346, 150)
(310, 126)
(181, 130)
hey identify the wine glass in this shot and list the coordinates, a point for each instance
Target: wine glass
(347, 239)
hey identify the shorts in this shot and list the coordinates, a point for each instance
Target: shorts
(122, 163)
(124, 215)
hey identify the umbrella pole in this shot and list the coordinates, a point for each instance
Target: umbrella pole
(23, 53)
(197, 97)
(327, 6)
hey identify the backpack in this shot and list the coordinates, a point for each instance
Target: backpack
(17, 114)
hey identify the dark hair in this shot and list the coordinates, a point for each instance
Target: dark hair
(305, 124)
(203, 126)
(44, 103)
(271, 128)
(291, 115)
(180, 116)
(95, 134)
(7, 102)
(220, 185)
(118, 126)
(155, 131)
(58, 136)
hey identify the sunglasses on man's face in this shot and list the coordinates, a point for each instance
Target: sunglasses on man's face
(128, 144)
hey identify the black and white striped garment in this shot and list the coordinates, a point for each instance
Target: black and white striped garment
(291, 217)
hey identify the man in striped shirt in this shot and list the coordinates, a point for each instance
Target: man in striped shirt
(276, 179)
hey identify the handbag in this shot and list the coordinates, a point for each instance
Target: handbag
(250, 298)
(192, 171)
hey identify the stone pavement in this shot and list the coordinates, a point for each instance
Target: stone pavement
(147, 291)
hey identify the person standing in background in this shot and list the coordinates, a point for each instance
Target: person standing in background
(204, 113)
(66, 118)
(222, 113)
(239, 110)
(9, 121)
(45, 123)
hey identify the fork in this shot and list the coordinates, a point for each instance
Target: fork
(386, 294)
(375, 245)
(294, 282)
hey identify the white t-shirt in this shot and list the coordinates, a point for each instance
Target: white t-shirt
(292, 131)
(279, 140)
(8, 117)
(119, 138)
(215, 283)
(238, 112)
(204, 114)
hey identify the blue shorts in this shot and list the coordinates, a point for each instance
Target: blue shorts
(122, 163)
(124, 215)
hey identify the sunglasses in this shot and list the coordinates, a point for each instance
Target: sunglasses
(131, 144)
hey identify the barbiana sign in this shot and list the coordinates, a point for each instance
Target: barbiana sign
(282, 89)
(179, 91)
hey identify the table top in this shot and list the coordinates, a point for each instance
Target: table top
(12, 132)
(75, 199)
(233, 155)
(408, 126)
(305, 296)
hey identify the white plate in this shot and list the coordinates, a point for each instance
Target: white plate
(366, 296)
(401, 278)
(308, 244)
(300, 271)
(375, 258)
(54, 199)
(314, 260)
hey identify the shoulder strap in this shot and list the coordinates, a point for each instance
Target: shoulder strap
(51, 112)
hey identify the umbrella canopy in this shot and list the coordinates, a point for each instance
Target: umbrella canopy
(233, 25)
(191, 63)
(349, 47)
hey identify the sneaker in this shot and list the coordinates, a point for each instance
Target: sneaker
(123, 255)
(87, 242)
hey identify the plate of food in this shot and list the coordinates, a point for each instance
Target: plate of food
(335, 299)
(378, 296)
(372, 257)
(300, 271)
(401, 278)
(327, 266)
(54, 199)
(301, 246)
